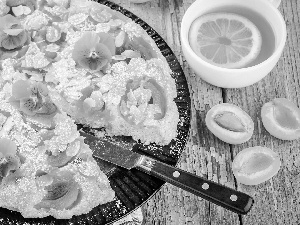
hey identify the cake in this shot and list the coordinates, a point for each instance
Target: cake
(64, 63)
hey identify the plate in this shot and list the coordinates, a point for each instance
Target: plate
(132, 188)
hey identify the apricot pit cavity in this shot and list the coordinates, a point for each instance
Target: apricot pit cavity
(284, 116)
(230, 121)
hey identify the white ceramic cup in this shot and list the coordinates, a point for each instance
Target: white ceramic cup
(276, 3)
(233, 78)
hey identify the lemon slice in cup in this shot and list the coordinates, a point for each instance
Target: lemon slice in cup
(225, 39)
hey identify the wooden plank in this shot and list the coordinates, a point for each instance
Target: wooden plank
(204, 155)
(277, 200)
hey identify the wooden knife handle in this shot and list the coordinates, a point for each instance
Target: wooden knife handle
(221, 195)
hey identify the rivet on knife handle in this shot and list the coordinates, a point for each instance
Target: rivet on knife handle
(226, 197)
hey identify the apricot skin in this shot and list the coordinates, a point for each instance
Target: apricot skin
(255, 165)
(229, 123)
(281, 118)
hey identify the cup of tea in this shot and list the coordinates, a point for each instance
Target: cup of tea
(232, 43)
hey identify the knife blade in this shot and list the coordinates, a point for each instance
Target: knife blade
(221, 195)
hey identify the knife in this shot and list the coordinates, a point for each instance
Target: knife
(221, 195)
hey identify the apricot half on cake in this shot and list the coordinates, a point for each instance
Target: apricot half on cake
(255, 165)
(62, 193)
(281, 118)
(143, 97)
(9, 161)
(229, 123)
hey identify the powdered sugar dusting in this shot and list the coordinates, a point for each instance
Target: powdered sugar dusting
(133, 95)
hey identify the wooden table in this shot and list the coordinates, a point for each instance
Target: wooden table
(277, 201)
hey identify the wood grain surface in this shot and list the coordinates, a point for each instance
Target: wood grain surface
(277, 201)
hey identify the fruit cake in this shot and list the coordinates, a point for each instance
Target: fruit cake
(68, 62)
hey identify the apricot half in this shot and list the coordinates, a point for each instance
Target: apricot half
(229, 123)
(255, 165)
(281, 118)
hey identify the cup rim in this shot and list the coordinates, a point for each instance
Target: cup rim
(277, 52)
